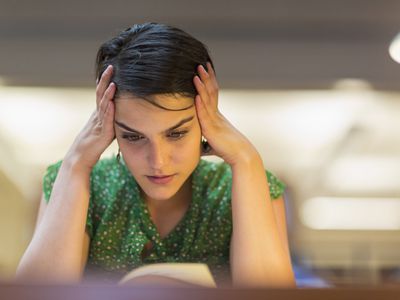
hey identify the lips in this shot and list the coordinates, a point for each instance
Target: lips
(161, 179)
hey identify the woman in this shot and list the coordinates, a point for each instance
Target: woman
(157, 201)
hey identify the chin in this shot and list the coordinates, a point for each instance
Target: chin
(159, 195)
(159, 192)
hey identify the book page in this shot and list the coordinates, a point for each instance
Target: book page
(193, 273)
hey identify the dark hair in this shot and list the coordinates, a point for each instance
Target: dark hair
(153, 58)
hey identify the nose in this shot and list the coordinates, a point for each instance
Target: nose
(157, 155)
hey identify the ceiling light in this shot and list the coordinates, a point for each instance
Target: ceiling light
(394, 49)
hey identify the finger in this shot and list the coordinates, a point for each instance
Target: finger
(204, 76)
(210, 85)
(201, 89)
(202, 112)
(210, 70)
(109, 118)
(107, 98)
(103, 84)
(213, 78)
(203, 115)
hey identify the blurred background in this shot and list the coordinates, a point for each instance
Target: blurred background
(310, 82)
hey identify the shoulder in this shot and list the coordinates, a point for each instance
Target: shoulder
(218, 176)
(213, 174)
(212, 182)
(106, 171)
(106, 174)
(108, 181)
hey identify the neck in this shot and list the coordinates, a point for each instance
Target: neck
(178, 201)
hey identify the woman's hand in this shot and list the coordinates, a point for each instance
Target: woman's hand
(252, 212)
(98, 132)
(225, 140)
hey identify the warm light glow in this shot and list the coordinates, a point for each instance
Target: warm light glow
(394, 49)
(356, 84)
(40, 124)
(336, 213)
(364, 174)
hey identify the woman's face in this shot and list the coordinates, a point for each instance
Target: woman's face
(160, 147)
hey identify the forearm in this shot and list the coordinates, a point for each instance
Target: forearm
(258, 254)
(55, 252)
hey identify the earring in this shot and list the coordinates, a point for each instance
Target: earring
(118, 158)
(205, 145)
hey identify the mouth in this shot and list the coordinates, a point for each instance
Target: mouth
(161, 179)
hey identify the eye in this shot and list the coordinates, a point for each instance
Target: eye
(132, 137)
(176, 135)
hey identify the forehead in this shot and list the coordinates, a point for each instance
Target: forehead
(141, 113)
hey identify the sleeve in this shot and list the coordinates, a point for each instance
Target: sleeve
(276, 187)
(48, 182)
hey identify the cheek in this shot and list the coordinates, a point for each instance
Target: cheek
(189, 150)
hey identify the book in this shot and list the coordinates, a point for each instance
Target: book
(170, 274)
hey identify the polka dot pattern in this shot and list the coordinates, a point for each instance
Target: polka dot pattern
(119, 223)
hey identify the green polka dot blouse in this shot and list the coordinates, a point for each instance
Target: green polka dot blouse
(120, 226)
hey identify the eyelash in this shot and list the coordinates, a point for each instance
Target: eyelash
(133, 138)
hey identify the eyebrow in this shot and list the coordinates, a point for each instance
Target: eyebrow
(180, 123)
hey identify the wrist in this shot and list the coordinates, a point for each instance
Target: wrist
(74, 162)
(247, 159)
